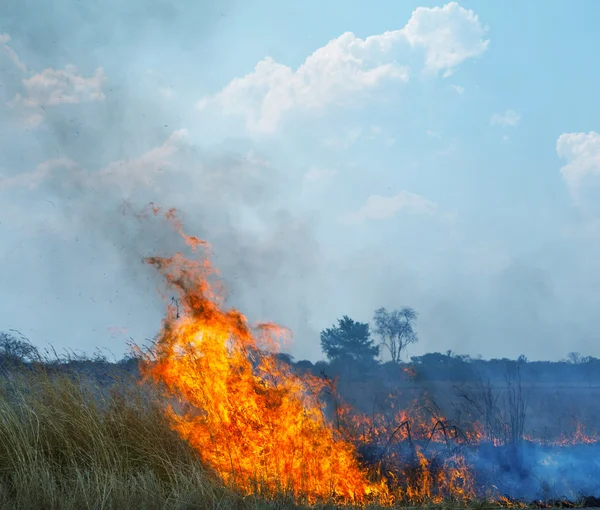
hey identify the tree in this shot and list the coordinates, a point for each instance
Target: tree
(396, 329)
(349, 340)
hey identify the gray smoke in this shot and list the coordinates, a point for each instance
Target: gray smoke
(73, 259)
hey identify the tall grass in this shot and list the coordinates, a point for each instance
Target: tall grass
(67, 442)
(70, 441)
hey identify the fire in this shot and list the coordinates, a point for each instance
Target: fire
(577, 436)
(254, 422)
(416, 473)
(451, 479)
(263, 428)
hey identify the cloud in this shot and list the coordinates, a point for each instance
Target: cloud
(378, 207)
(331, 75)
(50, 87)
(348, 69)
(450, 35)
(458, 89)
(582, 154)
(54, 86)
(33, 179)
(146, 169)
(5, 49)
(319, 174)
(125, 175)
(509, 118)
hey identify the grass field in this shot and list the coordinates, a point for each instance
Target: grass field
(68, 442)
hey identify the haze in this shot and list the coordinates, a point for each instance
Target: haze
(338, 157)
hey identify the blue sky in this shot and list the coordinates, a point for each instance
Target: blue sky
(338, 157)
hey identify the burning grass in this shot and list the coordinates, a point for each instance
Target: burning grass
(66, 442)
(218, 421)
(255, 422)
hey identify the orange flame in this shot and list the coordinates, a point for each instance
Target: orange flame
(577, 436)
(259, 426)
(262, 428)
(421, 477)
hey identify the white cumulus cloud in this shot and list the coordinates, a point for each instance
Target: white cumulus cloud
(582, 154)
(348, 68)
(450, 35)
(50, 87)
(55, 86)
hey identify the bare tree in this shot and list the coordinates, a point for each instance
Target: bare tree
(516, 405)
(481, 403)
(500, 411)
(396, 329)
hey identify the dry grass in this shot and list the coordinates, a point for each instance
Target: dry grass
(68, 443)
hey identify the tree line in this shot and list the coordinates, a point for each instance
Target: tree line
(353, 341)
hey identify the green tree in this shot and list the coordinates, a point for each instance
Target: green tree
(396, 329)
(349, 340)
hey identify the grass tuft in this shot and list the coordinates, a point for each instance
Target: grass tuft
(67, 442)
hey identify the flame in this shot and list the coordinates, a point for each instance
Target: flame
(414, 422)
(450, 480)
(262, 428)
(254, 422)
(410, 372)
(416, 475)
(577, 436)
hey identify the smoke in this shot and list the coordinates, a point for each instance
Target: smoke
(73, 258)
(267, 256)
(504, 304)
(111, 131)
(544, 472)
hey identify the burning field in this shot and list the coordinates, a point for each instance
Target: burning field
(265, 429)
(219, 419)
